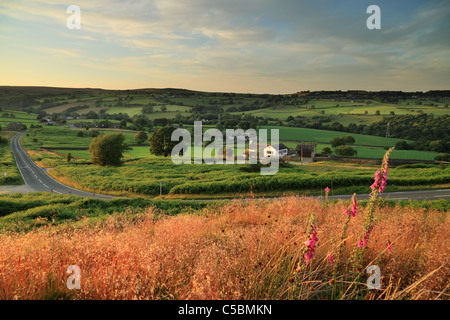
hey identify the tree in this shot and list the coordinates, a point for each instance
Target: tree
(107, 149)
(327, 151)
(160, 141)
(402, 145)
(163, 108)
(345, 151)
(341, 141)
(349, 140)
(141, 137)
(443, 157)
(147, 109)
(69, 157)
(80, 134)
(440, 146)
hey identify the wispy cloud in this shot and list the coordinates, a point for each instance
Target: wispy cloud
(294, 44)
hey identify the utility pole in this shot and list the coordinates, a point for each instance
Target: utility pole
(160, 188)
(388, 131)
(301, 154)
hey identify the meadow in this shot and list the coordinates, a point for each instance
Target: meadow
(26, 118)
(237, 250)
(144, 177)
(143, 173)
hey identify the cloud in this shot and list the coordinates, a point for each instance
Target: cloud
(60, 53)
(291, 43)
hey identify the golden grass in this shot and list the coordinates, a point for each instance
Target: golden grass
(242, 251)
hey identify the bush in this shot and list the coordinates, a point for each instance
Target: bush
(443, 157)
(346, 151)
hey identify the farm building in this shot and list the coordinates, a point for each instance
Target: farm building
(277, 150)
(307, 151)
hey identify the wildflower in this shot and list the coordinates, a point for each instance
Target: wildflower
(377, 180)
(388, 245)
(327, 191)
(359, 244)
(354, 208)
(364, 242)
(311, 244)
(346, 212)
(331, 259)
(308, 256)
(383, 180)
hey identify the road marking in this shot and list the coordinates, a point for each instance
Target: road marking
(443, 196)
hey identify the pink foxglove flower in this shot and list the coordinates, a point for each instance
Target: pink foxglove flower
(308, 256)
(331, 259)
(354, 207)
(377, 180)
(346, 212)
(359, 244)
(383, 180)
(327, 190)
(388, 245)
(311, 244)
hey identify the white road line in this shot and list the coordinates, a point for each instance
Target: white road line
(443, 196)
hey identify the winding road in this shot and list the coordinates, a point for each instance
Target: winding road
(37, 179)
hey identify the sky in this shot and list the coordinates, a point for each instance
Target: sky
(246, 46)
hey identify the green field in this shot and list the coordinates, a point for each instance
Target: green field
(64, 140)
(7, 163)
(325, 136)
(23, 117)
(145, 175)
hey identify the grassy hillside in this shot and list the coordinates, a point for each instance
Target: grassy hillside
(18, 116)
(7, 163)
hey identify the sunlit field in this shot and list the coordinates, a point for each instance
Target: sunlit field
(252, 250)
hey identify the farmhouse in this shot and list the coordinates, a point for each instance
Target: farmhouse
(277, 150)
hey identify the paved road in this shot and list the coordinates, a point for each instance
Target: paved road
(404, 195)
(37, 178)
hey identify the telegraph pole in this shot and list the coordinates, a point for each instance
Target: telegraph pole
(301, 154)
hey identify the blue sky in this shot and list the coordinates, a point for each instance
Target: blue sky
(258, 46)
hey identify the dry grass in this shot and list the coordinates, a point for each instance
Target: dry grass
(243, 251)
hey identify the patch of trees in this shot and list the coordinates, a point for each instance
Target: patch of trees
(341, 146)
(414, 127)
(341, 141)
